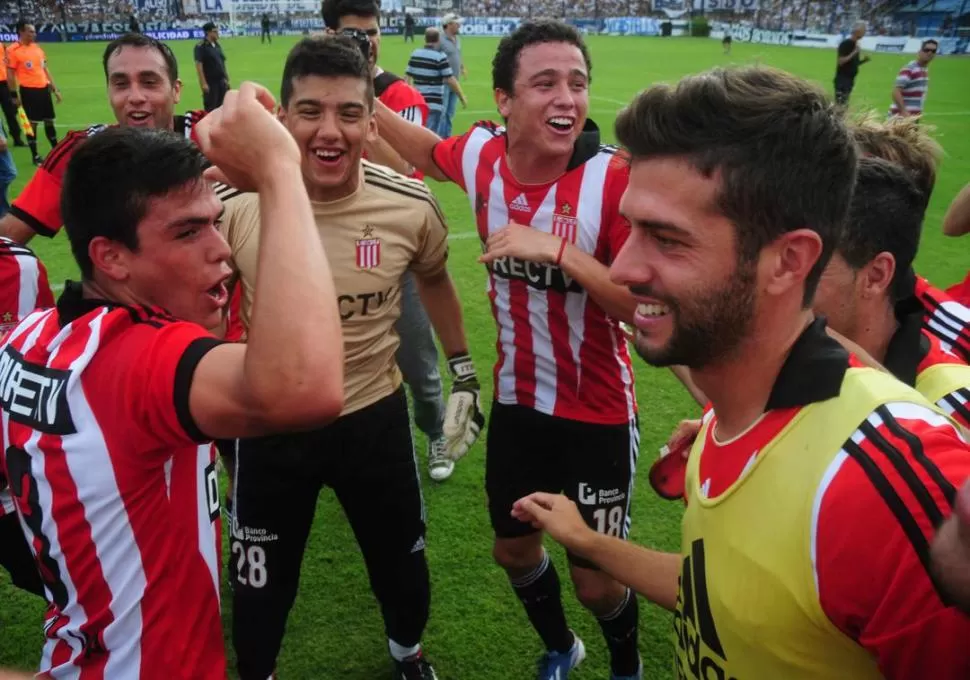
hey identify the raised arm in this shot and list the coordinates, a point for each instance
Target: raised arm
(415, 143)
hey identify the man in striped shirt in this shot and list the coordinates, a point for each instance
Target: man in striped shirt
(816, 484)
(912, 82)
(111, 399)
(545, 194)
(429, 71)
(23, 288)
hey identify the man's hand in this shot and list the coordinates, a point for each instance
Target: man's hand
(464, 419)
(522, 242)
(668, 474)
(57, 95)
(951, 552)
(244, 122)
(205, 88)
(556, 515)
(682, 438)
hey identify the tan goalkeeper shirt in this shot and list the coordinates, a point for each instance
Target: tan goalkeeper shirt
(389, 225)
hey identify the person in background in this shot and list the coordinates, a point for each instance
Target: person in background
(912, 82)
(848, 62)
(6, 103)
(27, 68)
(429, 71)
(264, 25)
(210, 65)
(408, 27)
(8, 173)
(451, 46)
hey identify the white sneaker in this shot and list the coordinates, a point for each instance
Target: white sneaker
(440, 466)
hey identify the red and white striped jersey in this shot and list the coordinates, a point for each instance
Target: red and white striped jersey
(945, 318)
(116, 489)
(558, 351)
(23, 288)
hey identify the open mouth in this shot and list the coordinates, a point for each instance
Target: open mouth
(139, 117)
(219, 293)
(652, 310)
(561, 124)
(328, 156)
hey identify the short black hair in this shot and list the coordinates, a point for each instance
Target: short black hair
(927, 42)
(505, 64)
(21, 25)
(142, 40)
(783, 151)
(330, 56)
(334, 10)
(111, 178)
(886, 215)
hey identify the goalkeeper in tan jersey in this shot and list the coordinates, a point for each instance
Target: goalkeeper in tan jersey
(376, 225)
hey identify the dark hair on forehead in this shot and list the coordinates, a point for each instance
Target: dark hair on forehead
(140, 40)
(111, 179)
(334, 10)
(781, 149)
(886, 215)
(505, 64)
(331, 56)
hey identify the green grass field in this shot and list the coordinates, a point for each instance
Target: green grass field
(478, 630)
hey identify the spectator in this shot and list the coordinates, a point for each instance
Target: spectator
(912, 81)
(210, 64)
(430, 72)
(451, 46)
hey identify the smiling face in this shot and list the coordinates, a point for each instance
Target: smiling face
(550, 100)
(330, 119)
(696, 299)
(140, 89)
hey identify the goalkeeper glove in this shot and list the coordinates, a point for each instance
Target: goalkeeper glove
(464, 419)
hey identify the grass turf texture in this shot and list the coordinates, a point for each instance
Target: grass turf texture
(478, 629)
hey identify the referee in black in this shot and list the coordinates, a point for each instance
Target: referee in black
(210, 64)
(847, 66)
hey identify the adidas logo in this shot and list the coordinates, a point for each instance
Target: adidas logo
(520, 203)
(700, 653)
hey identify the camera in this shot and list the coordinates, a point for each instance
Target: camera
(359, 37)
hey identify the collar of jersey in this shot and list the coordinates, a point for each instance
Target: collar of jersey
(812, 372)
(908, 346)
(587, 145)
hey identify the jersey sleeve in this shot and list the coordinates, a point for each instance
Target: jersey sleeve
(161, 360)
(903, 78)
(447, 155)
(895, 484)
(197, 53)
(39, 204)
(432, 256)
(617, 225)
(13, 61)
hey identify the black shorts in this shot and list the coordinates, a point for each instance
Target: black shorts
(592, 464)
(37, 103)
(16, 556)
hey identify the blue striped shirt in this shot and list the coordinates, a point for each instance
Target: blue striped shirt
(429, 68)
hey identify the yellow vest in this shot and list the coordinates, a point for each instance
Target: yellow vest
(748, 607)
(939, 380)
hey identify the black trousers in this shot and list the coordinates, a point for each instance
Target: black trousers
(10, 113)
(367, 458)
(212, 99)
(16, 557)
(843, 88)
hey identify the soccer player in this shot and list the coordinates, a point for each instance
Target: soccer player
(143, 88)
(111, 399)
(815, 484)
(847, 63)
(866, 291)
(417, 355)
(23, 288)
(376, 225)
(27, 68)
(545, 192)
(912, 82)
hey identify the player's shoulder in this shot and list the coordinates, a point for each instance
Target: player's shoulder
(400, 189)
(56, 161)
(489, 127)
(229, 194)
(185, 124)
(9, 248)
